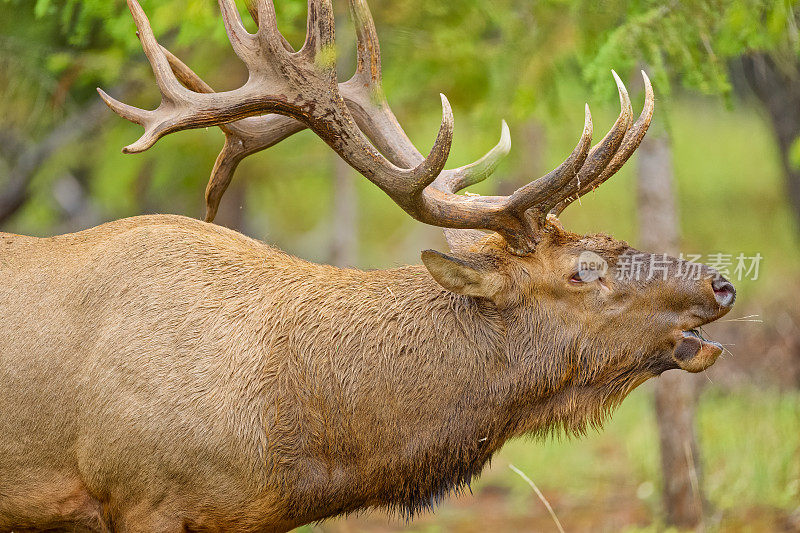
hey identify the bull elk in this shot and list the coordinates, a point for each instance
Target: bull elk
(163, 374)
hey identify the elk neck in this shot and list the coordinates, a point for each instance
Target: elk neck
(398, 394)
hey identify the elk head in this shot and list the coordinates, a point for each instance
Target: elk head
(567, 300)
(589, 318)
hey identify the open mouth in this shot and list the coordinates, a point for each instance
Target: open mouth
(698, 335)
(695, 353)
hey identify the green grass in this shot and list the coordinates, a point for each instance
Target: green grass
(750, 442)
(751, 448)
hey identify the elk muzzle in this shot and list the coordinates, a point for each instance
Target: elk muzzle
(693, 352)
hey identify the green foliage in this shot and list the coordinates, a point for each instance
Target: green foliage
(498, 58)
(771, 473)
(501, 58)
(689, 42)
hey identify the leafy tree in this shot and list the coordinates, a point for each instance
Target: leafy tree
(709, 46)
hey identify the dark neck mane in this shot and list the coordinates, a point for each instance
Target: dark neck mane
(400, 403)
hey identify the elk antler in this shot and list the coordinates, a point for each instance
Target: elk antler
(302, 87)
(365, 100)
(300, 84)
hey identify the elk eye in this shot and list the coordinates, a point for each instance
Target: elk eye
(578, 277)
(584, 276)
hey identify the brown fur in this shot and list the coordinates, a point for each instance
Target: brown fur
(163, 374)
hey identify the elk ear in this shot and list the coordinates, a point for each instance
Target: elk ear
(464, 240)
(470, 278)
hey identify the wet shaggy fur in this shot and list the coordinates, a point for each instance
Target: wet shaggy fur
(163, 374)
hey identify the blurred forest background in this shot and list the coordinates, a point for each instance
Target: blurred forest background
(726, 129)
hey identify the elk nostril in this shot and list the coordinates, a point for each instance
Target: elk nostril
(724, 292)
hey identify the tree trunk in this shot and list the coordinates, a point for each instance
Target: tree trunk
(777, 86)
(674, 390)
(344, 226)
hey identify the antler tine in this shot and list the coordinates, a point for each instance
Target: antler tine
(460, 178)
(634, 136)
(171, 90)
(167, 84)
(630, 143)
(128, 112)
(365, 97)
(434, 163)
(320, 30)
(252, 8)
(227, 161)
(272, 40)
(242, 41)
(368, 47)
